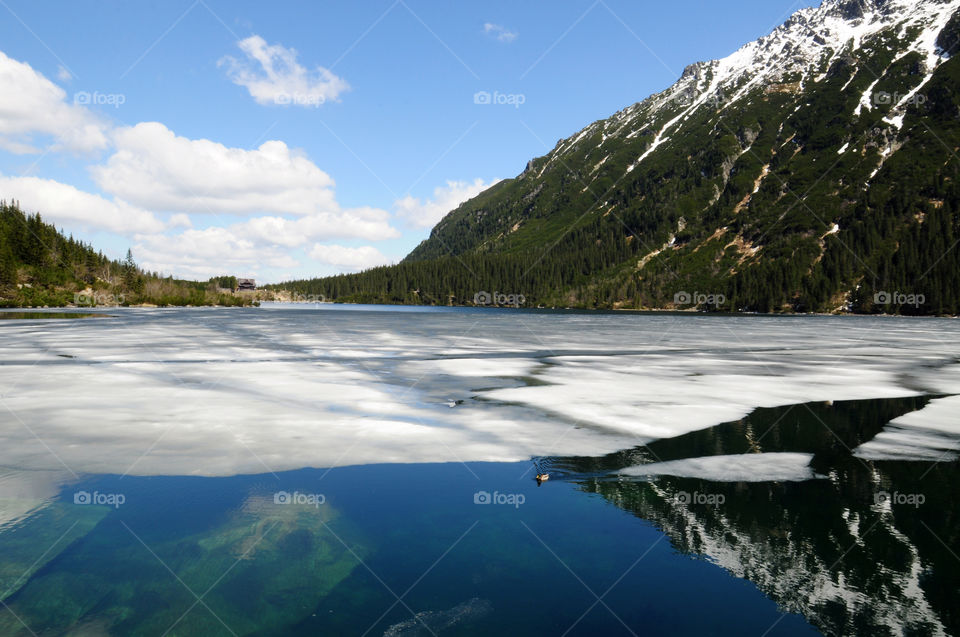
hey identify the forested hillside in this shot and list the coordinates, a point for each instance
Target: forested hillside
(813, 170)
(39, 266)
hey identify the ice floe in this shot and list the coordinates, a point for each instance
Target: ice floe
(933, 433)
(748, 467)
(226, 391)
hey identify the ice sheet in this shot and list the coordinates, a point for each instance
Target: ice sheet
(22, 492)
(933, 433)
(750, 467)
(225, 391)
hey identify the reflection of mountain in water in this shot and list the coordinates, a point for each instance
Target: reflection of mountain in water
(836, 550)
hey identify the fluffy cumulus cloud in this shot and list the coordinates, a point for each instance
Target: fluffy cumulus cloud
(67, 206)
(372, 224)
(262, 244)
(272, 75)
(426, 214)
(499, 32)
(287, 200)
(32, 107)
(207, 252)
(263, 208)
(154, 168)
(359, 258)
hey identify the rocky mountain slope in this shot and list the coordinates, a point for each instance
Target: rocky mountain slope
(812, 170)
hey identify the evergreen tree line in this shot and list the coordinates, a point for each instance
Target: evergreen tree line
(739, 206)
(39, 266)
(896, 255)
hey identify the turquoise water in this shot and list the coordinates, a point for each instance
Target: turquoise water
(150, 479)
(407, 550)
(270, 569)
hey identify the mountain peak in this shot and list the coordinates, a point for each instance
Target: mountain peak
(815, 157)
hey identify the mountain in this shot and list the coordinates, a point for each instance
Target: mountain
(834, 548)
(814, 169)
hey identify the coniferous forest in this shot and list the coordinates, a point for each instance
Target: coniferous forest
(795, 197)
(40, 267)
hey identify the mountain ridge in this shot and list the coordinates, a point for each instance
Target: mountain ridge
(713, 184)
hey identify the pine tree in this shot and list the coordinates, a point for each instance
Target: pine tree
(129, 271)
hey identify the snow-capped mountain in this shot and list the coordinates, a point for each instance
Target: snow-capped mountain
(831, 570)
(812, 169)
(797, 53)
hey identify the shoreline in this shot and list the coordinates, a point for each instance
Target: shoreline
(685, 312)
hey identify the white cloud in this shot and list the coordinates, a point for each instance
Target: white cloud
(258, 244)
(154, 168)
(272, 75)
(288, 201)
(33, 106)
(201, 254)
(180, 220)
(499, 32)
(426, 214)
(63, 74)
(359, 258)
(364, 223)
(65, 205)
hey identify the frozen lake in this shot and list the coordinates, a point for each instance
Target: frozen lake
(790, 474)
(218, 392)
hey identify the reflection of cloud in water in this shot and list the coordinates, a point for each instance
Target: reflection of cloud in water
(22, 492)
(220, 392)
(35, 527)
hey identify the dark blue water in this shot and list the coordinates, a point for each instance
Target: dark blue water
(866, 548)
(388, 542)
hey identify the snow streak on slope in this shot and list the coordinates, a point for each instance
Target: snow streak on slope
(797, 53)
(786, 568)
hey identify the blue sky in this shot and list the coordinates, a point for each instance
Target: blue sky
(296, 139)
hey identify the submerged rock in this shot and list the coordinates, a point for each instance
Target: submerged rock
(433, 621)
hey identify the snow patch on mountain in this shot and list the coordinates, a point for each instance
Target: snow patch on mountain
(800, 51)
